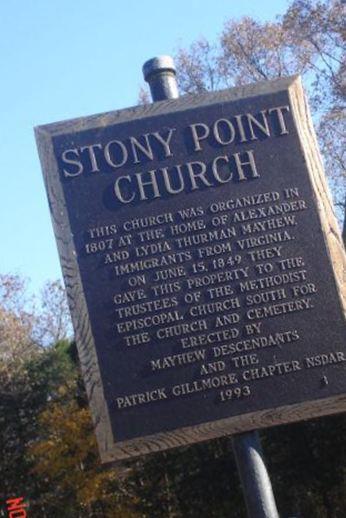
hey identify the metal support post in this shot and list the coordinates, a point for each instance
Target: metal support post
(257, 488)
(160, 73)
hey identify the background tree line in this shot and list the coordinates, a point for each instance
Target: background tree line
(48, 448)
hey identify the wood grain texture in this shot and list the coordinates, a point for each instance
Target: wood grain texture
(308, 140)
(109, 449)
(74, 288)
(186, 102)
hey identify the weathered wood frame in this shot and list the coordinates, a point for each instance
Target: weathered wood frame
(109, 449)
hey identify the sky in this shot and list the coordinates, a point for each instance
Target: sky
(62, 59)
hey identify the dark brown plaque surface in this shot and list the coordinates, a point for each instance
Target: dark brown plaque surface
(203, 266)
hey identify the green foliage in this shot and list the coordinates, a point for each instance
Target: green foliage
(22, 398)
(64, 453)
(308, 461)
(200, 480)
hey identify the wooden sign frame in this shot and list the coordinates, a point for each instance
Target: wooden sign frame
(110, 448)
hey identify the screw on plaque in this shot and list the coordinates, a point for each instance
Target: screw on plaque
(324, 381)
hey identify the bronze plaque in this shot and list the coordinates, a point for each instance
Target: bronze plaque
(197, 244)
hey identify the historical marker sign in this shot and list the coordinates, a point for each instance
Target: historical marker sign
(202, 263)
